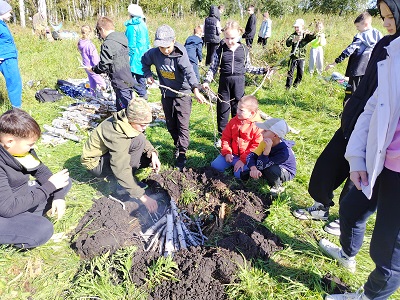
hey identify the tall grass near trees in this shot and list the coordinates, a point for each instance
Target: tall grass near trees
(54, 271)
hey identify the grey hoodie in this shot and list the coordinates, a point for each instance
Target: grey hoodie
(359, 52)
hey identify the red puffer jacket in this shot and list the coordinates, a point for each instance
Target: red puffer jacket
(240, 137)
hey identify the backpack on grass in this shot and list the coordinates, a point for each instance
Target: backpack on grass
(48, 95)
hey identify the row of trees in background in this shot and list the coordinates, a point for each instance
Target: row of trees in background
(74, 10)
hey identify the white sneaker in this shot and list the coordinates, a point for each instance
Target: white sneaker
(336, 252)
(333, 228)
(276, 190)
(347, 296)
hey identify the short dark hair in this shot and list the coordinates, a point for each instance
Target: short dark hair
(105, 23)
(19, 123)
(365, 16)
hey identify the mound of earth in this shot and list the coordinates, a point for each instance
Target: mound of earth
(232, 218)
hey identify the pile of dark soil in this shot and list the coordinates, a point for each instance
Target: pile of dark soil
(232, 218)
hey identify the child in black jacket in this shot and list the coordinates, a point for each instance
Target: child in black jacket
(24, 202)
(233, 60)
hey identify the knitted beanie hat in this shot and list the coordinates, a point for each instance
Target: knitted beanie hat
(139, 111)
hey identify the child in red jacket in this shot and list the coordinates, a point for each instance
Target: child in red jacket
(239, 138)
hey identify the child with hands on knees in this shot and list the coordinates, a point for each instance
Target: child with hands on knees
(23, 203)
(239, 137)
(273, 159)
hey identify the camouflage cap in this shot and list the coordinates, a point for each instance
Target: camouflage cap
(139, 111)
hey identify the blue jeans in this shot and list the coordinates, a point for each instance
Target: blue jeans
(221, 165)
(354, 211)
(9, 69)
(140, 85)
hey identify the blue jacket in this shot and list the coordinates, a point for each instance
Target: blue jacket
(174, 71)
(138, 42)
(7, 44)
(281, 155)
(194, 45)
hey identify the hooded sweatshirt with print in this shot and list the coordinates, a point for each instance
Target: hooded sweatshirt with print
(173, 70)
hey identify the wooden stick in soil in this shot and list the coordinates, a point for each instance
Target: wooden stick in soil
(169, 238)
(189, 236)
(149, 232)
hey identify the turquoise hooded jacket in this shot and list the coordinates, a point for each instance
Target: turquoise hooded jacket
(138, 42)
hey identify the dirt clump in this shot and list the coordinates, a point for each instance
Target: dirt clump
(232, 220)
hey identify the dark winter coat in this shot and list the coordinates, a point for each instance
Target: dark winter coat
(211, 32)
(114, 61)
(299, 48)
(250, 29)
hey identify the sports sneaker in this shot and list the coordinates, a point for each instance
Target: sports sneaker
(180, 161)
(218, 143)
(347, 296)
(316, 212)
(336, 252)
(276, 190)
(142, 184)
(333, 228)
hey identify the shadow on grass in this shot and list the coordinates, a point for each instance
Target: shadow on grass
(80, 175)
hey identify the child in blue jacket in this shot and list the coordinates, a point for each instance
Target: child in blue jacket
(194, 45)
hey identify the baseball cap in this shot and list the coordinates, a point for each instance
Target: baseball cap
(277, 126)
(135, 10)
(139, 111)
(298, 23)
(164, 36)
(4, 7)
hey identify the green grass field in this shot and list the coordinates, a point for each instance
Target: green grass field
(54, 271)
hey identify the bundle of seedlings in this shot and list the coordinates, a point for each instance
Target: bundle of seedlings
(173, 231)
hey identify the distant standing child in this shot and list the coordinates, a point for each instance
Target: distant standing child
(297, 41)
(317, 52)
(212, 32)
(359, 52)
(114, 61)
(9, 57)
(233, 61)
(138, 43)
(175, 72)
(239, 138)
(23, 203)
(194, 45)
(273, 159)
(265, 30)
(90, 57)
(250, 29)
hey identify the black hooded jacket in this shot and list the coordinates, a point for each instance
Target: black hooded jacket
(211, 33)
(114, 60)
(355, 105)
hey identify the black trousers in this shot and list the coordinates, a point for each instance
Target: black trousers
(351, 88)
(230, 91)
(295, 64)
(354, 212)
(262, 41)
(330, 170)
(177, 115)
(211, 48)
(249, 42)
